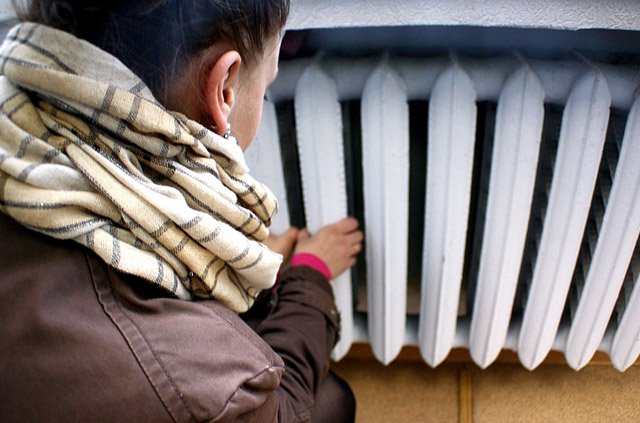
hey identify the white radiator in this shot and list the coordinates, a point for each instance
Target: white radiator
(547, 257)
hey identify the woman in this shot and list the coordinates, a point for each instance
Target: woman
(131, 234)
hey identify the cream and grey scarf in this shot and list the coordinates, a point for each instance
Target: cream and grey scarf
(87, 153)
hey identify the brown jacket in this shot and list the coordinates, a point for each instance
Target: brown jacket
(80, 342)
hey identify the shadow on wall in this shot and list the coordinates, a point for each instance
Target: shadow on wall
(610, 46)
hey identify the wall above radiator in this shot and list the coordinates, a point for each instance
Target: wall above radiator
(557, 14)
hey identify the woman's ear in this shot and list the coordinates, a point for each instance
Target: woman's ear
(220, 88)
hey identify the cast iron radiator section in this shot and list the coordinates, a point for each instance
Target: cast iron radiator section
(500, 199)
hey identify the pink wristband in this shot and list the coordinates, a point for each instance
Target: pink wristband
(306, 259)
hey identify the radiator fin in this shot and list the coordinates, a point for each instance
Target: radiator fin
(513, 174)
(320, 146)
(385, 156)
(451, 137)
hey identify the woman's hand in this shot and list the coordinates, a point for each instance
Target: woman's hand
(282, 244)
(336, 244)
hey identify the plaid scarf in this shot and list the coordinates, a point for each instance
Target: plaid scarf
(87, 153)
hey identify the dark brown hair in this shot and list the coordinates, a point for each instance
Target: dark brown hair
(155, 38)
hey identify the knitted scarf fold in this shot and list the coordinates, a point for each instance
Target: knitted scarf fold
(87, 154)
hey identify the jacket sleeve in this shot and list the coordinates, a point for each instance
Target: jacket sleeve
(301, 326)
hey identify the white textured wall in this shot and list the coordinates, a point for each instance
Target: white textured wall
(556, 14)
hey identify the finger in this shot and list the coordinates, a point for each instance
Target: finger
(348, 224)
(354, 237)
(303, 234)
(291, 235)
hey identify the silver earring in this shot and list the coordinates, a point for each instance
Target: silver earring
(227, 134)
